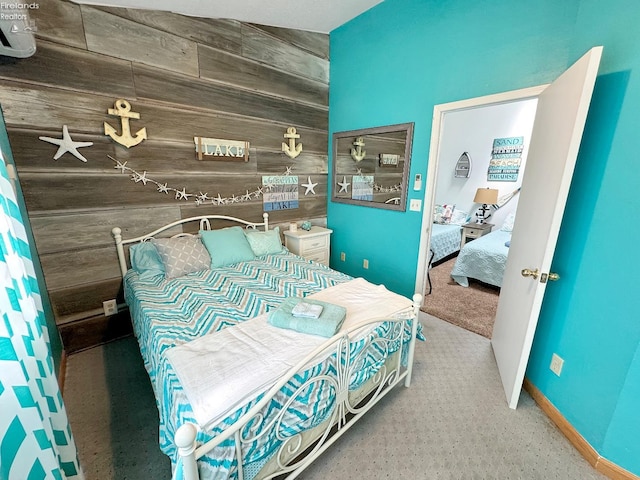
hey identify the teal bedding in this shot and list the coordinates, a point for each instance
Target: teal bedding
(483, 259)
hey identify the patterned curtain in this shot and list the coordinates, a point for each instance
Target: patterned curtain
(35, 437)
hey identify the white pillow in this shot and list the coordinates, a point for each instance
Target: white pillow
(459, 217)
(507, 226)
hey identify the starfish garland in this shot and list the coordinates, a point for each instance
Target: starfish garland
(377, 188)
(202, 198)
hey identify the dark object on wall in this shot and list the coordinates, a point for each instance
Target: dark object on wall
(463, 166)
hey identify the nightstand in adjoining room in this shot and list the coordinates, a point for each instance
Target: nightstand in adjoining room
(471, 231)
(312, 244)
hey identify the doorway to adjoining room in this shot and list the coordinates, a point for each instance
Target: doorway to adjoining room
(482, 154)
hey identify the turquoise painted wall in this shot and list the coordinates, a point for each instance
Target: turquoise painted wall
(395, 62)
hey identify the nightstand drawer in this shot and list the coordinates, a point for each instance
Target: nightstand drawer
(473, 232)
(321, 256)
(314, 243)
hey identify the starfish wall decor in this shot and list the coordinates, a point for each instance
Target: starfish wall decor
(66, 144)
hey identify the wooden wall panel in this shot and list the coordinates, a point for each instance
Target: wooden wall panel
(73, 69)
(220, 66)
(177, 89)
(186, 77)
(30, 106)
(264, 48)
(34, 155)
(61, 233)
(221, 34)
(59, 21)
(24, 105)
(274, 163)
(121, 38)
(93, 191)
(94, 331)
(316, 43)
(309, 207)
(72, 303)
(84, 267)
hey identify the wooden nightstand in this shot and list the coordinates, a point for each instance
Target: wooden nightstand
(471, 231)
(312, 245)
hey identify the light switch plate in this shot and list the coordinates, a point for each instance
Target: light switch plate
(415, 205)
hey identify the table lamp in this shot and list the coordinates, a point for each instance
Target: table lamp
(485, 196)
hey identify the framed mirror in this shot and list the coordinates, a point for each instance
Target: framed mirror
(371, 166)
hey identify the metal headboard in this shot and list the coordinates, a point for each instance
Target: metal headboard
(205, 224)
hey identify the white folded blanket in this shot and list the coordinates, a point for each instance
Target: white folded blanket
(224, 370)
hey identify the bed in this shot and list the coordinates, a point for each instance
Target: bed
(445, 240)
(483, 259)
(238, 397)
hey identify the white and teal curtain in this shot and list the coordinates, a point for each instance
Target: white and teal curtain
(35, 437)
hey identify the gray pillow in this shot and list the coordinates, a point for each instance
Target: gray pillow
(182, 255)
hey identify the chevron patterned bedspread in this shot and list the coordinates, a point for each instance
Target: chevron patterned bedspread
(167, 313)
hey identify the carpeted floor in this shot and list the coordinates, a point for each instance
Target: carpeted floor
(452, 423)
(472, 308)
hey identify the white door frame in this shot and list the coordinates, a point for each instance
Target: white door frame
(432, 168)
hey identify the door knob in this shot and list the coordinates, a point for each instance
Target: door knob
(554, 277)
(526, 272)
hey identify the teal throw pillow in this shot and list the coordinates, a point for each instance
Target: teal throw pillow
(226, 246)
(145, 260)
(264, 243)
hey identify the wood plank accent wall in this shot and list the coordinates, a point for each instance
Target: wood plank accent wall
(186, 77)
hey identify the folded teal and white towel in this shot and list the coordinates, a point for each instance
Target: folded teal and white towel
(326, 325)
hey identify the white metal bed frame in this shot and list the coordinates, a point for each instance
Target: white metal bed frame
(297, 452)
(205, 224)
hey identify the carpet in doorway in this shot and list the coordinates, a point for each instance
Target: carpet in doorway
(472, 308)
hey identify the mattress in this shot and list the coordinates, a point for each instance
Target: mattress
(445, 240)
(167, 313)
(483, 259)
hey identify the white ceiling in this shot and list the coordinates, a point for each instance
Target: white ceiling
(312, 15)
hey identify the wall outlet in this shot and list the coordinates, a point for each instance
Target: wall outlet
(415, 204)
(365, 263)
(556, 364)
(110, 307)
(343, 256)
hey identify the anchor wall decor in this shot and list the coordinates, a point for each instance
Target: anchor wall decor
(291, 149)
(358, 153)
(122, 109)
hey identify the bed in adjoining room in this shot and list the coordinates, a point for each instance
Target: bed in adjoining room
(238, 396)
(484, 259)
(446, 231)
(445, 240)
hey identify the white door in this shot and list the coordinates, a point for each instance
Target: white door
(557, 131)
